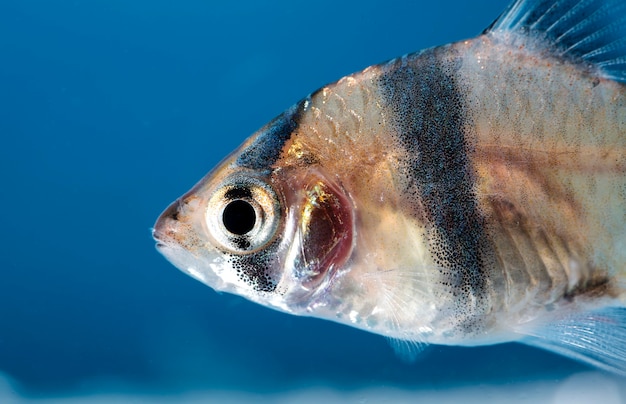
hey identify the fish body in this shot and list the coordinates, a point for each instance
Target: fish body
(468, 194)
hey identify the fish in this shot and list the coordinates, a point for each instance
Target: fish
(467, 194)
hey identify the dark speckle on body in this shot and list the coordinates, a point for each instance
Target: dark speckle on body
(429, 119)
(255, 269)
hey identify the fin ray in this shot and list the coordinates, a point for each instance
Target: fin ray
(587, 31)
(407, 350)
(597, 338)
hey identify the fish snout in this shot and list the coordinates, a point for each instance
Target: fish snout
(165, 229)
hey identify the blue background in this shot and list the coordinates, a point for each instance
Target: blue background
(109, 110)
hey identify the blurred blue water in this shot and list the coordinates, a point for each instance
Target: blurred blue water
(110, 109)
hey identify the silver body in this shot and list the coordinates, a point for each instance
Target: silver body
(468, 194)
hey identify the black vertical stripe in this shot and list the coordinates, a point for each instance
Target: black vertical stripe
(427, 113)
(267, 147)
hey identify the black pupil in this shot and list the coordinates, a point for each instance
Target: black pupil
(239, 217)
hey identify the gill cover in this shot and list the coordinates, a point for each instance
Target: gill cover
(321, 229)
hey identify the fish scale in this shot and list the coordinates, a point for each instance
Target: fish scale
(581, 172)
(468, 194)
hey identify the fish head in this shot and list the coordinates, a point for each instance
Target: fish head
(310, 223)
(273, 233)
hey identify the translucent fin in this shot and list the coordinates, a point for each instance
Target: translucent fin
(591, 31)
(408, 351)
(597, 338)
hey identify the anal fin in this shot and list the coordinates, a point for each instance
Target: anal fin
(597, 338)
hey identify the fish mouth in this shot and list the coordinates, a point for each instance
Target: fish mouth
(167, 219)
(164, 230)
(171, 235)
(168, 232)
(160, 245)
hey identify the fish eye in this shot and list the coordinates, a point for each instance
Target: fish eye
(243, 214)
(239, 217)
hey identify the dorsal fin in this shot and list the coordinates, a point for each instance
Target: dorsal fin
(591, 31)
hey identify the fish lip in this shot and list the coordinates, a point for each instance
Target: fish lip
(164, 229)
(157, 235)
(163, 242)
